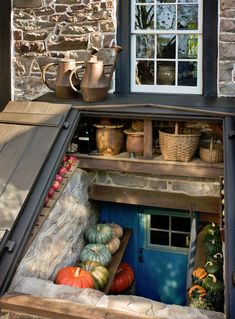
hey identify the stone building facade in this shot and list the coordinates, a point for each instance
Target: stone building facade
(44, 29)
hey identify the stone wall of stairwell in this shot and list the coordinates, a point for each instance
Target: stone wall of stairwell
(226, 47)
(43, 30)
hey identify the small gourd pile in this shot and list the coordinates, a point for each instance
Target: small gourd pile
(103, 240)
(207, 291)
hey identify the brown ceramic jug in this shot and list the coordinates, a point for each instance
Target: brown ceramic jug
(95, 85)
(61, 86)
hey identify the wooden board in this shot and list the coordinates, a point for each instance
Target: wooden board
(122, 162)
(154, 198)
(117, 257)
(61, 309)
(31, 119)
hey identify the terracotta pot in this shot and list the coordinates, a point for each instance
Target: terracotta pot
(135, 142)
(109, 139)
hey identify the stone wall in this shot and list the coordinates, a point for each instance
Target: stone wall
(226, 47)
(43, 30)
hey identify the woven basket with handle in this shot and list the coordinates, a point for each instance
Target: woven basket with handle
(212, 152)
(179, 147)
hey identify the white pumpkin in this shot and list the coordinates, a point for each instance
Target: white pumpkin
(113, 245)
(117, 230)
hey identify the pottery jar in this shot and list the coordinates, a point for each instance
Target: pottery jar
(134, 142)
(109, 139)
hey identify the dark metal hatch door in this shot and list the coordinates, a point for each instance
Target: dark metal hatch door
(29, 131)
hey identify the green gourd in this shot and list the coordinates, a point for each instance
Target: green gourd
(212, 231)
(98, 234)
(96, 252)
(212, 284)
(214, 268)
(98, 272)
(212, 247)
(201, 303)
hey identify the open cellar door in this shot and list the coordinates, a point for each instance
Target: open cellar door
(33, 138)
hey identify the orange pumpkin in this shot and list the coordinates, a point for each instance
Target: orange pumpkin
(123, 279)
(74, 277)
(198, 274)
(197, 291)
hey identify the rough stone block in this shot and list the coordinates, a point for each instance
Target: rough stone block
(225, 71)
(107, 26)
(27, 3)
(227, 4)
(227, 14)
(227, 37)
(78, 43)
(26, 46)
(128, 180)
(227, 89)
(227, 25)
(227, 51)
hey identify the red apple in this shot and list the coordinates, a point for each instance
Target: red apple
(65, 158)
(67, 166)
(46, 201)
(59, 178)
(51, 192)
(56, 185)
(62, 171)
(72, 159)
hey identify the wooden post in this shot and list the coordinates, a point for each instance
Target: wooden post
(148, 139)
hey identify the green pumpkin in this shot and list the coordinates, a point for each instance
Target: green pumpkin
(96, 252)
(214, 268)
(98, 272)
(212, 231)
(201, 303)
(98, 234)
(217, 258)
(212, 284)
(213, 247)
(216, 299)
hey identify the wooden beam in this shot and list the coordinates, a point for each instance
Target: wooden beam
(54, 308)
(148, 139)
(207, 204)
(195, 168)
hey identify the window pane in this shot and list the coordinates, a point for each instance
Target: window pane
(166, 46)
(166, 73)
(144, 17)
(187, 73)
(145, 72)
(166, 1)
(144, 1)
(181, 224)
(188, 46)
(160, 222)
(145, 46)
(166, 17)
(179, 240)
(159, 238)
(187, 17)
(187, 1)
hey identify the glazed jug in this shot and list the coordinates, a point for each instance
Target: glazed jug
(61, 85)
(95, 84)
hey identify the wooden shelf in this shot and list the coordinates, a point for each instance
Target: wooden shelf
(156, 165)
(117, 257)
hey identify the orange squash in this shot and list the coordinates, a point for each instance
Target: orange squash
(198, 275)
(74, 277)
(196, 291)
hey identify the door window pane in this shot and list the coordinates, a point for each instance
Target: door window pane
(159, 238)
(145, 46)
(160, 222)
(166, 17)
(180, 224)
(187, 73)
(179, 240)
(144, 17)
(145, 72)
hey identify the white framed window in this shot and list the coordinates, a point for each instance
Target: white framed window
(166, 46)
(168, 231)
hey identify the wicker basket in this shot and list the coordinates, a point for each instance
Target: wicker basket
(211, 152)
(179, 147)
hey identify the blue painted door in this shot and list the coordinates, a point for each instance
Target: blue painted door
(161, 273)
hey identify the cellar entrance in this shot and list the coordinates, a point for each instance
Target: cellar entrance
(158, 249)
